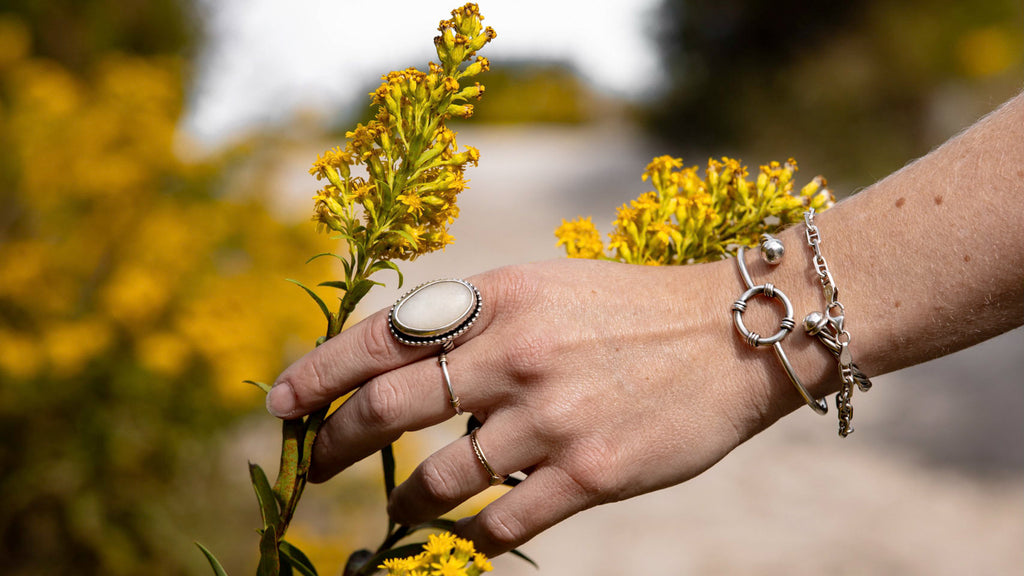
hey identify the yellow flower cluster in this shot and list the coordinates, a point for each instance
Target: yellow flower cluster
(688, 219)
(443, 555)
(401, 204)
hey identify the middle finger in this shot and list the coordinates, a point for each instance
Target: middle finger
(411, 398)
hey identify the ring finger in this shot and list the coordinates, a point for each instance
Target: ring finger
(457, 472)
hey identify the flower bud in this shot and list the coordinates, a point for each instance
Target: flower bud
(472, 92)
(460, 111)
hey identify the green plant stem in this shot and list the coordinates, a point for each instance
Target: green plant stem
(298, 436)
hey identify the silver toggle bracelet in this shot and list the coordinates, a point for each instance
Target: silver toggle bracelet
(772, 251)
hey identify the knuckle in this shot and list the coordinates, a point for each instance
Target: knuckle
(379, 344)
(381, 405)
(513, 285)
(528, 356)
(318, 383)
(438, 485)
(503, 529)
(590, 472)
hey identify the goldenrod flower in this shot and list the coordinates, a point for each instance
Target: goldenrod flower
(440, 545)
(580, 238)
(443, 554)
(688, 219)
(413, 165)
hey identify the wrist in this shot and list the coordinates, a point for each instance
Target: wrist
(762, 375)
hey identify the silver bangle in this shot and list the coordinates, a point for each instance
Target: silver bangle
(785, 326)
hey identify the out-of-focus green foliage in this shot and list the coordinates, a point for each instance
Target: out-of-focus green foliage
(137, 290)
(77, 33)
(536, 92)
(853, 88)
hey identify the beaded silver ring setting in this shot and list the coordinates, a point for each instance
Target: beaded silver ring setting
(435, 313)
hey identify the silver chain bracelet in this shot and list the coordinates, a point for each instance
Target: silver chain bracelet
(829, 328)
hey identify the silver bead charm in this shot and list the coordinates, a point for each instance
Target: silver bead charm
(772, 249)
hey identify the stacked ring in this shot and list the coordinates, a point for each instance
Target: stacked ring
(435, 313)
(495, 477)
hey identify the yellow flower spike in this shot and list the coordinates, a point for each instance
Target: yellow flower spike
(692, 219)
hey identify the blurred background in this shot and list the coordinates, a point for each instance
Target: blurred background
(154, 197)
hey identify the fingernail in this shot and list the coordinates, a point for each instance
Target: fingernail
(281, 400)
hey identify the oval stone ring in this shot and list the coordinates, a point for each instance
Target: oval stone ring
(434, 313)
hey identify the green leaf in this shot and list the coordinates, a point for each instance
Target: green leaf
(260, 385)
(360, 256)
(387, 456)
(322, 254)
(319, 302)
(436, 524)
(348, 267)
(353, 296)
(270, 563)
(268, 503)
(387, 264)
(339, 284)
(472, 423)
(393, 536)
(218, 570)
(522, 556)
(296, 559)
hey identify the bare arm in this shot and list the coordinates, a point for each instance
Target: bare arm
(929, 260)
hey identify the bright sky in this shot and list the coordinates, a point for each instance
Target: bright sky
(267, 58)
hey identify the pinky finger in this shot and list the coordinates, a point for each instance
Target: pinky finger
(542, 500)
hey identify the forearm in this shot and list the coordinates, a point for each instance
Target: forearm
(927, 261)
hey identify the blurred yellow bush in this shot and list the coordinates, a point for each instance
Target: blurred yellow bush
(137, 290)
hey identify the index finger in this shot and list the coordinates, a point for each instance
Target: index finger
(343, 363)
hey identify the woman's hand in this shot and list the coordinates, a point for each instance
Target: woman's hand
(601, 381)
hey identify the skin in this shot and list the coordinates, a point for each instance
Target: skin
(569, 358)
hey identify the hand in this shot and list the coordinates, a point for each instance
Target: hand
(601, 381)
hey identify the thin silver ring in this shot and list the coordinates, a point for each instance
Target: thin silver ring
(453, 399)
(495, 477)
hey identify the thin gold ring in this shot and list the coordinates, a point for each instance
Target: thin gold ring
(495, 477)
